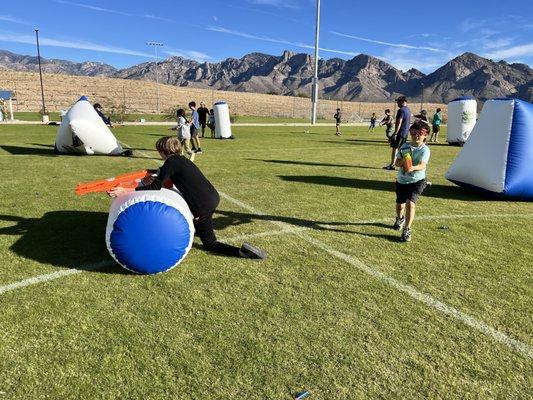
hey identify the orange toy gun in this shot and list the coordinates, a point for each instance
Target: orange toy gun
(130, 180)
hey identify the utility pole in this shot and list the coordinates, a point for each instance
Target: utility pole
(155, 46)
(40, 70)
(315, 77)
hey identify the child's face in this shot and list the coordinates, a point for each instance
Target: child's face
(418, 135)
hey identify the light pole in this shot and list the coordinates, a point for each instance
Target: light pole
(314, 93)
(40, 70)
(155, 46)
(422, 98)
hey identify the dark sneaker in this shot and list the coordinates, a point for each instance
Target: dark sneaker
(406, 235)
(249, 251)
(199, 151)
(398, 224)
(389, 167)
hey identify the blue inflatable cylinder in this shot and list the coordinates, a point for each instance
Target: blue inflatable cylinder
(149, 232)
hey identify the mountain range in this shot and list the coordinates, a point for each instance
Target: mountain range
(363, 78)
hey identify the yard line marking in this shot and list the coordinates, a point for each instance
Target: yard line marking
(54, 275)
(466, 319)
(94, 266)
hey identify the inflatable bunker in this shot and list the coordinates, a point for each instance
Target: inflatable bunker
(82, 131)
(149, 231)
(498, 156)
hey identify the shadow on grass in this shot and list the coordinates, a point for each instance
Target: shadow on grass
(224, 219)
(359, 143)
(436, 191)
(69, 239)
(313, 164)
(21, 151)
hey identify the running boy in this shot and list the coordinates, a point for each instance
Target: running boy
(412, 159)
(200, 195)
(184, 134)
(401, 130)
(338, 118)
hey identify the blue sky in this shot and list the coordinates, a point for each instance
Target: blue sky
(406, 34)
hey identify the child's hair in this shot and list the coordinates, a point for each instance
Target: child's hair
(192, 104)
(180, 112)
(168, 145)
(419, 125)
(338, 109)
(387, 110)
(438, 109)
(211, 111)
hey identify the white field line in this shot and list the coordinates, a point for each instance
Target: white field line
(464, 318)
(91, 267)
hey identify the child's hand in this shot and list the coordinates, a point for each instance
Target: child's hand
(116, 191)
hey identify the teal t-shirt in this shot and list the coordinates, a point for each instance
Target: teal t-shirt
(437, 119)
(419, 154)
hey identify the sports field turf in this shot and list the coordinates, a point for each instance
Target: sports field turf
(340, 308)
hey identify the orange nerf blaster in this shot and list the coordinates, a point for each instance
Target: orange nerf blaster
(130, 180)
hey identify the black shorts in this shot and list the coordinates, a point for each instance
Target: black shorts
(388, 132)
(436, 128)
(397, 141)
(409, 191)
(203, 123)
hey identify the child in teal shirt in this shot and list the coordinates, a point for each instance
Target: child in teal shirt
(412, 158)
(437, 120)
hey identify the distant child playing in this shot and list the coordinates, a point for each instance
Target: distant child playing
(211, 122)
(200, 195)
(195, 127)
(387, 121)
(184, 134)
(373, 119)
(412, 158)
(338, 117)
(437, 120)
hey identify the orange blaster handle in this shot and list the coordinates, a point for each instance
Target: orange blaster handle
(130, 180)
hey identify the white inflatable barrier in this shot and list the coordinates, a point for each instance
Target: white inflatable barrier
(498, 156)
(149, 231)
(82, 131)
(462, 113)
(222, 121)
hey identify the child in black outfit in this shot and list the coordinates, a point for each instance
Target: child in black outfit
(199, 194)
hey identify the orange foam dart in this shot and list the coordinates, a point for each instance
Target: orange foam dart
(130, 180)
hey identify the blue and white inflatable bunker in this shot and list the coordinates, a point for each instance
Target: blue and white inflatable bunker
(150, 231)
(498, 156)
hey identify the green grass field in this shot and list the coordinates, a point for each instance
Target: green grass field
(340, 308)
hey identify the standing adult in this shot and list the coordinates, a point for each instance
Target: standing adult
(437, 120)
(203, 112)
(401, 130)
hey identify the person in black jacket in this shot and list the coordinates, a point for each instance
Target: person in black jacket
(199, 194)
(98, 109)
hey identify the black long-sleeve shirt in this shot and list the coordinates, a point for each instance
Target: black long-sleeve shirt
(200, 195)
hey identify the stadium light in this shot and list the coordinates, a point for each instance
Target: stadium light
(314, 93)
(155, 46)
(40, 70)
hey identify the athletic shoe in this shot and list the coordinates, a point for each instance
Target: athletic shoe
(389, 167)
(249, 251)
(406, 235)
(398, 224)
(198, 151)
